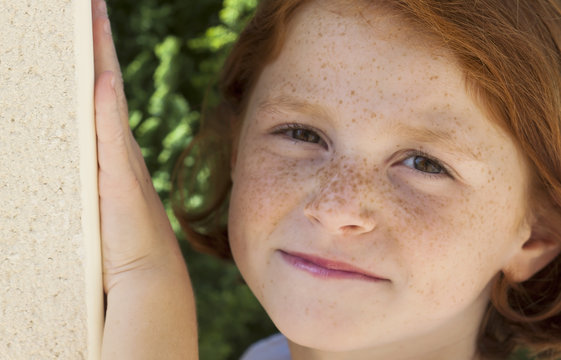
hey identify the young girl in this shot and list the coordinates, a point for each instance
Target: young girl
(395, 184)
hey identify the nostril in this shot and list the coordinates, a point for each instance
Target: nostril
(343, 220)
(351, 229)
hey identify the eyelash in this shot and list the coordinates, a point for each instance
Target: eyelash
(420, 153)
(285, 128)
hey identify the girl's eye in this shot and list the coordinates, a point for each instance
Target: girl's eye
(425, 164)
(304, 135)
(300, 133)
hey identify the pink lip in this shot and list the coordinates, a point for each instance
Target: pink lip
(325, 268)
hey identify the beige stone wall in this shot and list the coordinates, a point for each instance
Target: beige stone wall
(50, 284)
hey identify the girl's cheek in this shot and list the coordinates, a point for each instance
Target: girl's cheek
(269, 183)
(466, 238)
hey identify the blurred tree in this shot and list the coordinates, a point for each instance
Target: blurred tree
(171, 52)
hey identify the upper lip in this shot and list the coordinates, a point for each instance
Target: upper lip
(333, 264)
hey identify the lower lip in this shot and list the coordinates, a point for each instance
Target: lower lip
(322, 272)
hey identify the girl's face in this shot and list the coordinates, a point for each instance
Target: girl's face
(373, 199)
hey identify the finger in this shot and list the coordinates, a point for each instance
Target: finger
(105, 55)
(114, 160)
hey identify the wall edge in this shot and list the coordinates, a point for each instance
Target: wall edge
(83, 48)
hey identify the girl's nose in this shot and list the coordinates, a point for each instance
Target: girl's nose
(341, 210)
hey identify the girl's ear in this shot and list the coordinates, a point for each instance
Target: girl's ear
(542, 247)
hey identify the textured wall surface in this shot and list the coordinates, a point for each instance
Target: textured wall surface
(49, 262)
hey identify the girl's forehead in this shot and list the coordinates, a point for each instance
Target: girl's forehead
(334, 17)
(380, 57)
(364, 30)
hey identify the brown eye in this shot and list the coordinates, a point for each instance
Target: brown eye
(301, 134)
(424, 164)
(304, 135)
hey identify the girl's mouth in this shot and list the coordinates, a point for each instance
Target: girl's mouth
(327, 269)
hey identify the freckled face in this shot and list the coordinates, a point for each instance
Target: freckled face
(361, 147)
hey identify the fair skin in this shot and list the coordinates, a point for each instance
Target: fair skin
(150, 304)
(370, 231)
(352, 187)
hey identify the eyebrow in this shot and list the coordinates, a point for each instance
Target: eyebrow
(441, 138)
(291, 104)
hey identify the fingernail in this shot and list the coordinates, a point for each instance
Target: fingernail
(107, 27)
(113, 82)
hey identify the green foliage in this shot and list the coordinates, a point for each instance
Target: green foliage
(171, 52)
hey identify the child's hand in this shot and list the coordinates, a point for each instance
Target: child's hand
(150, 305)
(135, 229)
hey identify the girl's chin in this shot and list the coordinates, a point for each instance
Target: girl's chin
(322, 335)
